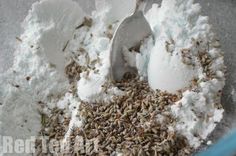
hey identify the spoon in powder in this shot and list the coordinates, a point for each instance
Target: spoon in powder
(129, 33)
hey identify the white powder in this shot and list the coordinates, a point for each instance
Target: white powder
(47, 28)
(179, 23)
(51, 24)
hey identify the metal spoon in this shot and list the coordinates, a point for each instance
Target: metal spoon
(130, 33)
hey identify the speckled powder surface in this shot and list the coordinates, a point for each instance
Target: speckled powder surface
(13, 84)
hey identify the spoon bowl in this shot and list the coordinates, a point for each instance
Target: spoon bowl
(129, 33)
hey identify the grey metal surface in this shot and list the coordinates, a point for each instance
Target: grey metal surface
(222, 15)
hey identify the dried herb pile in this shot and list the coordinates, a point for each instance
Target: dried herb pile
(134, 124)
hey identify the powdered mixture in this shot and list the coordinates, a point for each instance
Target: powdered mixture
(73, 95)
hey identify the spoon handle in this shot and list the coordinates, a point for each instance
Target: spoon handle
(140, 5)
